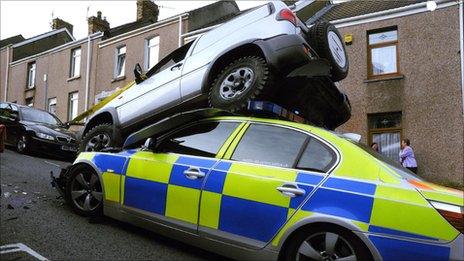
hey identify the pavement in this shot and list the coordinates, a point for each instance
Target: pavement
(32, 214)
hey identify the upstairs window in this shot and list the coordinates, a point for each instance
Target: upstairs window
(382, 52)
(120, 68)
(75, 63)
(151, 52)
(31, 68)
(30, 102)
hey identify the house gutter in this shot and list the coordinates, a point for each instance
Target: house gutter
(461, 32)
(7, 70)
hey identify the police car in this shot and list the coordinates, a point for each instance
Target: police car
(260, 188)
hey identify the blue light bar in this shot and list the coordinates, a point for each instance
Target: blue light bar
(269, 108)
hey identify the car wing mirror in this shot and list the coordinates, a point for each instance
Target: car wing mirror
(150, 144)
(138, 74)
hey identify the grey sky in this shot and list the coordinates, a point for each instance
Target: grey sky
(31, 18)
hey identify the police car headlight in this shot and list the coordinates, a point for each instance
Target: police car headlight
(44, 136)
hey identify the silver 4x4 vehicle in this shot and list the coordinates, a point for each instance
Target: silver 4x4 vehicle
(240, 60)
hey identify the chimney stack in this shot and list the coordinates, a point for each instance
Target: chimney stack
(97, 24)
(57, 23)
(147, 11)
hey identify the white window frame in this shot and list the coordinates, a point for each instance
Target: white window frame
(76, 55)
(151, 49)
(31, 74)
(119, 69)
(73, 105)
(52, 104)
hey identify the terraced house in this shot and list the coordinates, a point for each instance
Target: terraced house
(405, 81)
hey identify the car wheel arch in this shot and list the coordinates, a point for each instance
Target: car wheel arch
(327, 221)
(249, 47)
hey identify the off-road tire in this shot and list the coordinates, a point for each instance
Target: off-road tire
(105, 128)
(290, 250)
(86, 171)
(318, 39)
(258, 89)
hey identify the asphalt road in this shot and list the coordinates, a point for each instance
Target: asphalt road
(32, 214)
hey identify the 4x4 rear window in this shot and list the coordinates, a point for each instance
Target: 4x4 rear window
(202, 139)
(269, 145)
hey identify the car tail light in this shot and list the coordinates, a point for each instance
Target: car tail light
(288, 15)
(452, 213)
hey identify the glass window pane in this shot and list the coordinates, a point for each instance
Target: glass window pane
(52, 105)
(316, 157)
(73, 105)
(153, 41)
(269, 145)
(382, 121)
(384, 60)
(204, 139)
(383, 37)
(389, 144)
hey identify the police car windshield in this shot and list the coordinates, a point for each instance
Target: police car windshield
(395, 166)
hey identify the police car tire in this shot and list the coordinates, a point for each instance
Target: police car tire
(260, 86)
(290, 250)
(105, 128)
(97, 212)
(318, 38)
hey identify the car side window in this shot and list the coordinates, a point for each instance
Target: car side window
(270, 145)
(316, 157)
(171, 59)
(202, 139)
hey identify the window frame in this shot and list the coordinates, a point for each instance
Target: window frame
(309, 136)
(370, 68)
(69, 116)
(371, 131)
(116, 62)
(31, 65)
(49, 104)
(166, 135)
(72, 65)
(29, 104)
(147, 48)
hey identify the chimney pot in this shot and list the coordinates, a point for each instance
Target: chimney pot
(99, 14)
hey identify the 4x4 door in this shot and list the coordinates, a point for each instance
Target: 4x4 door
(251, 201)
(165, 185)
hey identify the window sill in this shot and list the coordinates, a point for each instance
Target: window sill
(73, 78)
(30, 89)
(120, 78)
(385, 78)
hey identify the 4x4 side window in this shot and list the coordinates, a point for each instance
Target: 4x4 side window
(270, 145)
(202, 139)
(316, 157)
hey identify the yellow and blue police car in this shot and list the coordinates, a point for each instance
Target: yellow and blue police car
(259, 188)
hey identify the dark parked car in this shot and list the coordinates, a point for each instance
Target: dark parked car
(34, 130)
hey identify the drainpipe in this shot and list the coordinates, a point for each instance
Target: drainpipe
(87, 74)
(7, 70)
(180, 30)
(461, 29)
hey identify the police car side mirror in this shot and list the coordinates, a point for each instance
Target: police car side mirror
(149, 145)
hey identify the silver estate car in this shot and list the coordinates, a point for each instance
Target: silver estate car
(240, 60)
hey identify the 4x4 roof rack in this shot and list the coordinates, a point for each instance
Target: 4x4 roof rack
(264, 109)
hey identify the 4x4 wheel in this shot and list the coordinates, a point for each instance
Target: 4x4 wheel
(98, 138)
(325, 39)
(242, 80)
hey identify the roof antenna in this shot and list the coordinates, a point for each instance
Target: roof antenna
(87, 13)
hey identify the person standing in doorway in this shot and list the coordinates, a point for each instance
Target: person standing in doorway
(407, 158)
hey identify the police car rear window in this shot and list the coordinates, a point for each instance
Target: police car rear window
(269, 145)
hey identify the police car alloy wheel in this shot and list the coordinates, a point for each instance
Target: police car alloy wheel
(84, 191)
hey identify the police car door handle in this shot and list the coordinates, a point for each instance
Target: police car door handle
(291, 190)
(194, 173)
